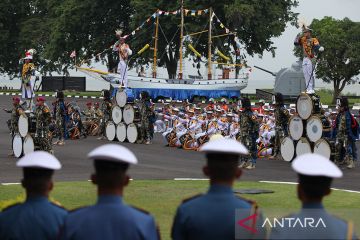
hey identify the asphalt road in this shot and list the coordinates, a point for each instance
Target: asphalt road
(155, 161)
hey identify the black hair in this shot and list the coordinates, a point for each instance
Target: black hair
(279, 99)
(110, 174)
(222, 166)
(35, 179)
(315, 187)
(245, 102)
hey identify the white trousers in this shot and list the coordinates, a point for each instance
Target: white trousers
(123, 73)
(308, 74)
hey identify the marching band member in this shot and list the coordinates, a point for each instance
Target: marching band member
(310, 47)
(124, 52)
(27, 82)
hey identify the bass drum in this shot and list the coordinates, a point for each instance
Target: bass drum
(314, 128)
(132, 133)
(323, 148)
(131, 114)
(296, 127)
(116, 114)
(121, 97)
(110, 130)
(287, 149)
(28, 145)
(23, 125)
(121, 132)
(307, 104)
(303, 146)
(17, 145)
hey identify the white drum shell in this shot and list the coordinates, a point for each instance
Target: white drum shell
(121, 132)
(132, 133)
(23, 125)
(314, 128)
(116, 114)
(28, 145)
(303, 146)
(287, 149)
(323, 148)
(110, 131)
(121, 98)
(17, 145)
(296, 127)
(128, 114)
(304, 106)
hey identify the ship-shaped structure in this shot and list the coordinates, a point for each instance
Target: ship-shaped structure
(233, 78)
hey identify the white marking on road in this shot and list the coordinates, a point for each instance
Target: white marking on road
(40, 95)
(68, 96)
(7, 94)
(13, 94)
(294, 183)
(1, 93)
(93, 97)
(85, 97)
(77, 96)
(191, 179)
(47, 95)
(6, 184)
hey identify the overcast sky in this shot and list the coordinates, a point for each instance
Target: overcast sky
(308, 9)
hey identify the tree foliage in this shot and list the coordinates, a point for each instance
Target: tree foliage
(340, 62)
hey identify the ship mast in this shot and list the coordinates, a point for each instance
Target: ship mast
(156, 44)
(181, 40)
(209, 44)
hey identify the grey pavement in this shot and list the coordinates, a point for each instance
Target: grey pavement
(155, 161)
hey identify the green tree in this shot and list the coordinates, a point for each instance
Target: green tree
(255, 22)
(340, 62)
(88, 27)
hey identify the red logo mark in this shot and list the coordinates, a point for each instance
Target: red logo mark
(250, 228)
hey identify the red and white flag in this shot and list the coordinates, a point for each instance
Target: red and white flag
(73, 54)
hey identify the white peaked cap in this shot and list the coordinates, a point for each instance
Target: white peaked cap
(312, 164)
(226, 146)
(39, 159)
(113, 153)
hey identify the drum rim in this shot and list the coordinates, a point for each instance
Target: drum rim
(311, 105)
(25, 121)
(21, 145)
(116, 97)
(321, 140)
(132, 125)
(33, 143)
(308, 126)
(308, 144)
(302, 125)
(121, 125)
(293, 147)
(118, 109)
(106, 127)
(125, 116)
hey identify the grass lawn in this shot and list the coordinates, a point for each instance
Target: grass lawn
(161, 198)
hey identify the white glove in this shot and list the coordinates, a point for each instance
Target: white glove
(321, 49)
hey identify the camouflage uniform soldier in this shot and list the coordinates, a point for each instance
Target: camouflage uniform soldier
(60, 114)
(281, 122)
(89, 114)
(249, 131)
(43, 120)
(106, 107)
(345, 139)
(15, 114)
(146, 118)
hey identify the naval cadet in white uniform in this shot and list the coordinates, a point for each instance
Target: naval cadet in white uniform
(315, 174)
(110, 218)
(36, 218)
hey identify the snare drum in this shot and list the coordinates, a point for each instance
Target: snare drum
(116, 114)
(23, 125)
(307, 104)
(323, 148)
(303, 146)
(287, 149)
(314, 128)
(296, 127)
(132, 132)
(131, 114)
(121, 97)
(28, 144)
(17, 145)
(121, 132)
(110, 130)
